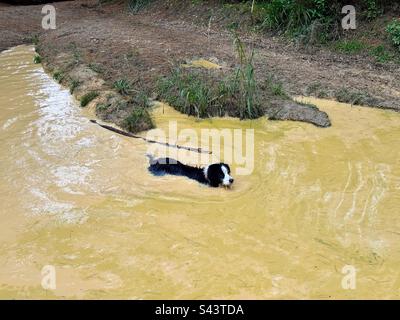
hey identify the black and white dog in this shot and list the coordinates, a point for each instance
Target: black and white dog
(214, 175)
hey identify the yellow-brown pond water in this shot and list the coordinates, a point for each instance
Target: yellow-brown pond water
(79, 198)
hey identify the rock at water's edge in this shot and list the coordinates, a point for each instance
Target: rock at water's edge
(298, 112)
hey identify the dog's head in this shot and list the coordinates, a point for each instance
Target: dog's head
(218, 174)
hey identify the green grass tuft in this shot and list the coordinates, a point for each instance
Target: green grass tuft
(37, 59)
(138, 120)
(123, 86)
(249, 108)
(34, 39)
(275, 87)
(381, 54)
(58, 76)
(188, 92)
(134, 6)
(350, 46)
(88, 97)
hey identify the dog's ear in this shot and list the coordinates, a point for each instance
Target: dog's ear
(213, 176)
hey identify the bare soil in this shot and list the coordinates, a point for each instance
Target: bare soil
(144, 46)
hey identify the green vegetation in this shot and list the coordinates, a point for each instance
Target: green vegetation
(123, 86)
(138, 120)
(88, 97)
(37, 59)
(58, 76)
(394, 31)
(373, 9)
(315, 22)
(191, 93)
(306, 21)
(350, 46)
(198, 93)
(246, 83)
(34, 39)
(134, 6)
(381, 54)
(293, 16)
(275, 87)
(207, 93)
(73, 84)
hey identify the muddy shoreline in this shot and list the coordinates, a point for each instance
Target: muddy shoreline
(94, 46)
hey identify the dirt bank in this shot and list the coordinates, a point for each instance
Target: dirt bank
(107, 44)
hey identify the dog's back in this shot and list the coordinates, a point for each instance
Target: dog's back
(162, 166)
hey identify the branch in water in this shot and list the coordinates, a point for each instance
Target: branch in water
(131, 135)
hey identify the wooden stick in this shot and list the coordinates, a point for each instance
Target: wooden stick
(131, 135)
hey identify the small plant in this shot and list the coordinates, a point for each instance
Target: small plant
(350, 46)
(138, 120)
(123, 86)
(393, 29)
(88, 97)
(35, 39)
(286, 14)
(188, 93)
(73, 85)
(37, 59)
(134, 6)
(249, 107)
(295, 17)
(381, 54)
(58, 76)
(373, 9)
(275, 87)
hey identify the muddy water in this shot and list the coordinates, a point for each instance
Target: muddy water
(79, 198)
